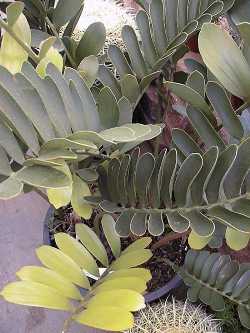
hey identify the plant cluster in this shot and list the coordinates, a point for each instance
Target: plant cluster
(66, 127)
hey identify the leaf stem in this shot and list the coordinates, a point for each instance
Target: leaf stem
(242, 108)
(53, 29)
(164, 100)
(25, 46)
(182, 209)
(157, 141)
(182, 271)
(82, 306)
(100, 156)
(168, 238)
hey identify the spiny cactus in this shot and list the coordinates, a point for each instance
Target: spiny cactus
(174, 317)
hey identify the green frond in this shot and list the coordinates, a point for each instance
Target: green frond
(206, 190)
(213, 277)
(108, 303)
(47, 124)
(162, 28)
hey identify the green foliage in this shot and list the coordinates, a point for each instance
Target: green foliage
(16, 43)
(107, 304)
(163, 28)
(202, 115)
(205, 191)
(12, 55)
(36, 7)
(64, 11)
(186, 187)
(50, 123)
(49, 19)
(189, 188)
(230, 319)
(213, 277)
(223, 66)
(58, 133)
(240, 13)
(91, 42)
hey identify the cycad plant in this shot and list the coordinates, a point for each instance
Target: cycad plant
(60, 131)
(58, 118)
(200, 189)
(202, 186)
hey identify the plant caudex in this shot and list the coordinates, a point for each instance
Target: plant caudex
(66, 273)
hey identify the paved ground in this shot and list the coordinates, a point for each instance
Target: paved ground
(20, 233)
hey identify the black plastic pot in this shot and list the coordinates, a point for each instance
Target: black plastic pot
(149, 297)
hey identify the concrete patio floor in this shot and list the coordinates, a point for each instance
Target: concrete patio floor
(21, 221)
